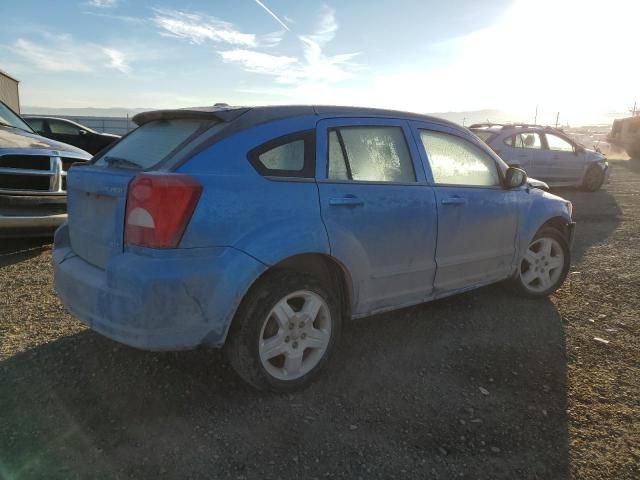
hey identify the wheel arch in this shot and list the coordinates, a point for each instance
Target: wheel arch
(559, 223)
(324, 267)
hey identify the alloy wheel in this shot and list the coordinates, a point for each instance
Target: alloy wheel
(295, 335)
(542, 265)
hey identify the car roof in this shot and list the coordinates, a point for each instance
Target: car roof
(510, 127)
(250, 116)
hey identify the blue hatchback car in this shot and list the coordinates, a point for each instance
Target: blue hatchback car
(261, 229)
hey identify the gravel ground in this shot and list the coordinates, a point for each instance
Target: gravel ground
(481, 385)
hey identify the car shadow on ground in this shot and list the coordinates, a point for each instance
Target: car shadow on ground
(595, 212)
(474, 385)
(13, 250)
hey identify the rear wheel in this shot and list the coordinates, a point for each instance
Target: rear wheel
(545, 264)
(284, 332)
(593, 179)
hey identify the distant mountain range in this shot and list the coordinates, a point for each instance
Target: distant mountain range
(462, 118)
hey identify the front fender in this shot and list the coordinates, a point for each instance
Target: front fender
(542, 208)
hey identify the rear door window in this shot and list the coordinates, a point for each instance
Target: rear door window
(59, 127)
(151, 143)
(37, 124)
(374, 154)
(525, 140)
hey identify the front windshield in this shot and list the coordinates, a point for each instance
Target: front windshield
(11, 119)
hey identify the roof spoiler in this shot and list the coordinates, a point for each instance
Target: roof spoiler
(204, 113)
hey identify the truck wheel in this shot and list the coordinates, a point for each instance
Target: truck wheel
(545, 264)
(593, 179)
(284, 332)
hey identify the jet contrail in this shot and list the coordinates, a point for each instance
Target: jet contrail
(266, 9)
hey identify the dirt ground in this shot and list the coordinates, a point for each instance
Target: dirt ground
(481, 385)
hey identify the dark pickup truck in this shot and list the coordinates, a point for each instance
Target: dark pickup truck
(33, 172)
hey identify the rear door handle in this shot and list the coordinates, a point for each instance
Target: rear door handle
(346, 201)
(454, 201)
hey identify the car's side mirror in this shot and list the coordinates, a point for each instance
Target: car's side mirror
(83, 132)
(579, 149)
(515, 177)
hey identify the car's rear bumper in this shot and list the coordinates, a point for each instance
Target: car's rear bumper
(152, 299)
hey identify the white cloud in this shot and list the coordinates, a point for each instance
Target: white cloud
(102, 3)
(272, 39)
(259, 62)
(116, 59)
(314, 66)
(198, 28)
(46, 58)
(60, 53)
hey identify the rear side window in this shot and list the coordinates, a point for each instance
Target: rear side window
(455, 161)
(151, 143)
(292, 155)
(375, 154)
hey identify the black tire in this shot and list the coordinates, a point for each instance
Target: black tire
(242, 345)
(593, 179)
(545, 232)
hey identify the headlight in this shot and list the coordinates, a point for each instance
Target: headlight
(570, 209)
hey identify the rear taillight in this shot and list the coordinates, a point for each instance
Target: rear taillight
(159, 206)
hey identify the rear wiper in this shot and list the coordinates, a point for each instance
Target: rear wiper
(121, 162)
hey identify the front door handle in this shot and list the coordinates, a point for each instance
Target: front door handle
(346, 201)
(454, 201)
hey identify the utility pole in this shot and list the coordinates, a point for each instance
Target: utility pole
(557, 117)
(535, 119)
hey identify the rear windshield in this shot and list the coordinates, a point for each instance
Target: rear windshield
(151, 143)
(483, 135)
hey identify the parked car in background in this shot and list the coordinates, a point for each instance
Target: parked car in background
(71, 132)
(546, 154)
(33, 173)
(261, 229)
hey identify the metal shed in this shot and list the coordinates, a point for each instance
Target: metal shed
(9, 91)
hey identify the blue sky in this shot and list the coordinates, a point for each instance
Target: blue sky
(414, 55)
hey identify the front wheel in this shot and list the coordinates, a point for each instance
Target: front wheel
(545, 264)
(593, 179)
(284, 332)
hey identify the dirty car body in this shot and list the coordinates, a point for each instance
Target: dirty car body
(33, 173)
(268, 196)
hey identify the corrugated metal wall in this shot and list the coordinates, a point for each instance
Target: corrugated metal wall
(9, 92)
